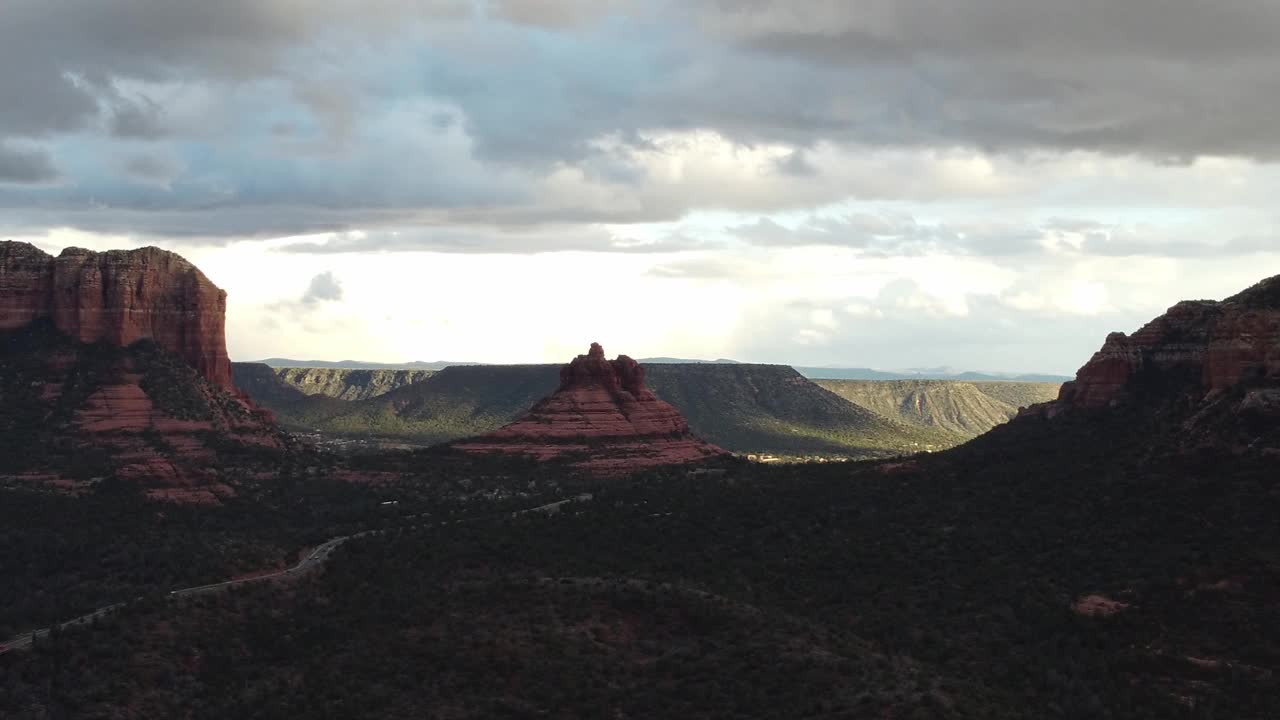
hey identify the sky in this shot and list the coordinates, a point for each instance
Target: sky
(983, 184)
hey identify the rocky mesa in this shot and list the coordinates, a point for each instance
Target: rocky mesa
(114, 366)
(602, 418)
(1213, 367)
(1201, 346)
(119, 297)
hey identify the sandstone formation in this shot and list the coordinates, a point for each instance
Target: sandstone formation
(114, 364)
(1205, 346)
(603, 418)
(119, 297)
(741, 407)
(1211, 368)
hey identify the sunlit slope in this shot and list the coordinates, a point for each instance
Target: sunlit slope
(960, 409)
(743, 408)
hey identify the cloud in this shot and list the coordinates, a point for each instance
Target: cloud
(63, 58)
(138, 119)
(890, 235)
(913, 322)
(25, 165)
(795, 164)
(479, 240)
(323, 288)
(285, 117)
(716, 267)
(557, 14)
(893, 235)
(1143, 76)
(152, 169)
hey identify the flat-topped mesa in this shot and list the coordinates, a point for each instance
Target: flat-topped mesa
(119, 297)
(603, 412)
(1199, 348)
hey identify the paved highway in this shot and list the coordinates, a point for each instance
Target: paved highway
(316, 558)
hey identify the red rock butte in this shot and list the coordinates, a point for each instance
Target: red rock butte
(176, 437)
(1206, 347)
(119, 297)
(603, 418)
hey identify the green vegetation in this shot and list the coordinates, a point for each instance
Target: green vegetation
(773, 409)
(46, 381)
(942, 589)
(65, 556)
(1020, 394)
(743, 408)
(349, 384)
(962, 410)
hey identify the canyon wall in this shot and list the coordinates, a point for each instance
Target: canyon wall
(119, 297)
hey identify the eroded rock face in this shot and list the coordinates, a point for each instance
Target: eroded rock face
(114, 365)
(603, 413)
(119, 297)
(345, 384)
(1201, 347)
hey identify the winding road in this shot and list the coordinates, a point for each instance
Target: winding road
(317, 557)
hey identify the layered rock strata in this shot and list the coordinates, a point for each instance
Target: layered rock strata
(603, 417)
(1203, 346)
(119, 297)
(1209, 371)
(115, 364)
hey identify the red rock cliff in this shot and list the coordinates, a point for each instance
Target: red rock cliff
(603, 414)
(1202, 347)
(119, 297)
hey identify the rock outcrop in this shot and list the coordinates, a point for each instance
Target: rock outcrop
(114, 364)
(1200, 347)
(603, 418)
(352, 385)
(119, 297)
(1208, 372)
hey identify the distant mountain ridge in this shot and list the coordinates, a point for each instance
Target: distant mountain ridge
(741, 407)
(831, 373)
(811, 372)
(276, 362)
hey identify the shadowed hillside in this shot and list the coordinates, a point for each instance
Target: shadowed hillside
(1110, 554)
(744, 408)
(772, 408)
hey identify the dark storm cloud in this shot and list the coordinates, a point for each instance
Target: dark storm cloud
(61, 57)
(557, 13)
(18, 165)
(1171, 79)
(291, 116)
(151, 169)
(137, 119)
